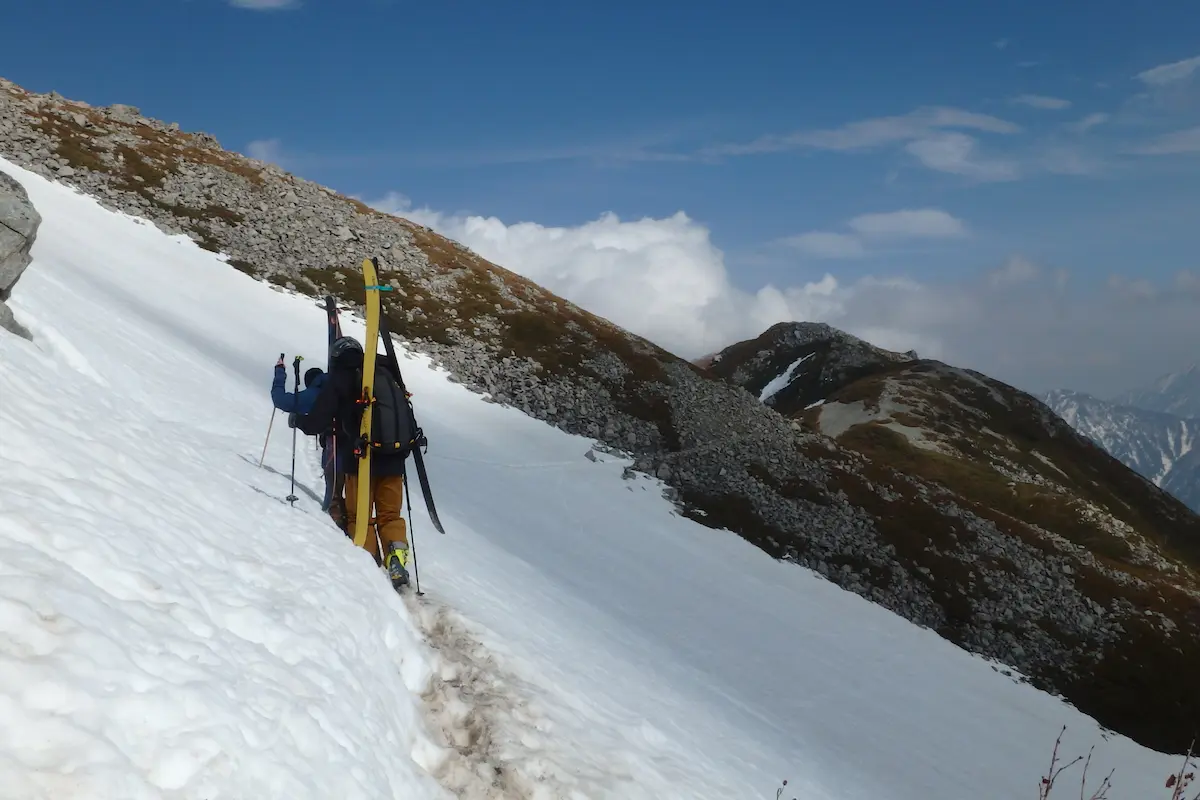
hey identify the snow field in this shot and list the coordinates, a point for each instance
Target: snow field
(170, 627)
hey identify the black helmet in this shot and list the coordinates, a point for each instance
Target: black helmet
(345, 350)
(312, 375)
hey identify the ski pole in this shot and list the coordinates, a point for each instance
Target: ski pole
(295, 366)
(269, 424)
(412, 536)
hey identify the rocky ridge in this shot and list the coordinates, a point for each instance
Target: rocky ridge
(725, 458)
(793, 365)
(988, 483)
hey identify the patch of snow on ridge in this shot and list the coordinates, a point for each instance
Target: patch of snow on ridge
(783, 380)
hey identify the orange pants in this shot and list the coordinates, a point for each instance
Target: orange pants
(387, 494)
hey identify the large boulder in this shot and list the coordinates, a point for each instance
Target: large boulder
(19, 222)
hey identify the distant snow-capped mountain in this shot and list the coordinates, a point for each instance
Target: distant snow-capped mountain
(1177, 393)
(1158, 445)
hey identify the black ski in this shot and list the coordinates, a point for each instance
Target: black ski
(333, 484)
(418, 459)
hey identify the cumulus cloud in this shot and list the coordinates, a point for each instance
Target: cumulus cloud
(1042, 102)
(1020, 321)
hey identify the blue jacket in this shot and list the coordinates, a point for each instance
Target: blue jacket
(284, 400)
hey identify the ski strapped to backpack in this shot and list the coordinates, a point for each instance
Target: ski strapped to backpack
(366, 402)
(388, 424)
(418, 439)
(333, 484)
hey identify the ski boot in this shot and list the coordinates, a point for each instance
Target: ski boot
(396, 562)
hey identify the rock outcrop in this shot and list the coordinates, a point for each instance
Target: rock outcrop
(19, 222)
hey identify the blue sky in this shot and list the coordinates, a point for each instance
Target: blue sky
(936, 142)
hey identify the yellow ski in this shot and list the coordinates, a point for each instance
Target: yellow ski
(370, 345)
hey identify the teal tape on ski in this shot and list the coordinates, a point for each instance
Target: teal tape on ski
(379, 288)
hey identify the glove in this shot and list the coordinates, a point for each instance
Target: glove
(292, 419)
(280, 363)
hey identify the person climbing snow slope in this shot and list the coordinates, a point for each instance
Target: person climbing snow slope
(336, 407)
(297, 403)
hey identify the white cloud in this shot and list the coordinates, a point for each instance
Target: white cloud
(1170, 73)
(265, 5)
(268, 150)
(871, 133)
(929, 223)
(1017, 269)
(826, 244)
(955, 153)
(1136, 289)
(921, 223)
(1185, 141)
(1000, 44)
(665, 280)
(1089, 122)
(1041, 101)
(1188, 282)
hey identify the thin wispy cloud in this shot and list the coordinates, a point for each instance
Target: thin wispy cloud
(868, 230)
(826, 244)
(265, 5)
(1000, 44)
(931, 134)
(268, 150)
(1175, 143)
(870, 133)
(1089, 122)
(922, 223)
(1173, 72)
(1042, 102)
(1065, 159)
(957, 153)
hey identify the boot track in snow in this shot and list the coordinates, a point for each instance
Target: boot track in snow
(479, 711)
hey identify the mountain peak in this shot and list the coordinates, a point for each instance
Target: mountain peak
(792, 365)
(1176, 393)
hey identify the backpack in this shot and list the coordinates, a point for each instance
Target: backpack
(392, 430)
(391, 419)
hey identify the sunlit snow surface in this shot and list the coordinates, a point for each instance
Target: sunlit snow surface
(170, 627)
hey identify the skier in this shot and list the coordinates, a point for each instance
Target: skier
(301, 403)
(336, 407)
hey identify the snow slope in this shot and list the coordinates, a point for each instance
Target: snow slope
(169, 627)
